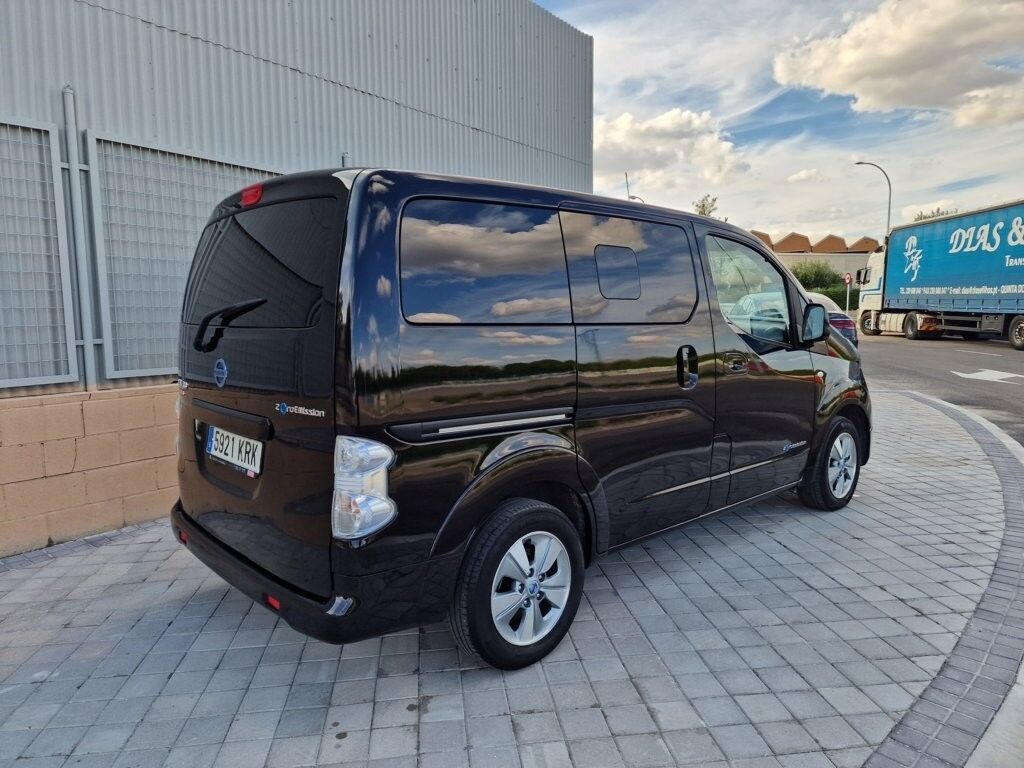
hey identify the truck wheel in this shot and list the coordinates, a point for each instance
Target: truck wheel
(867, 326)
(1016, 333)
(833, 476)
(520, 585)
(910, 327)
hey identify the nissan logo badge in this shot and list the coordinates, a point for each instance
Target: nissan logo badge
(220, 372)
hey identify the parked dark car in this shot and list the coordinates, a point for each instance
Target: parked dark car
(407, 396)
(842, 322)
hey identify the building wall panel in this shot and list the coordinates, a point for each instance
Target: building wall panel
(293, 85)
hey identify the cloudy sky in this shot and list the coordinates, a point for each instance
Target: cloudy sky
(768, 104)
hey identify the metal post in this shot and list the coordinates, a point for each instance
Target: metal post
(847, 298)
(888, 214)
(82, 266)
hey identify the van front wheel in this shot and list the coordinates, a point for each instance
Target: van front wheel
(520, 585)
(833, 477)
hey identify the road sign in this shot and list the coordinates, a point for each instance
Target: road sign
(847, 278)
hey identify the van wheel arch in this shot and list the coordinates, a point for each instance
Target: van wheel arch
(539, 475)
(567, 501)
(860, 420)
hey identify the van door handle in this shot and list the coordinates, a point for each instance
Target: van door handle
(686, 366)
(736, 363)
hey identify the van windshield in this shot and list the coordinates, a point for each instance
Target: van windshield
(287, 253)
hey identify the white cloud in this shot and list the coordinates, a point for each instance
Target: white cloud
(717, 60)
(930, 54)
(677, 142)
(807, 174)
(999, 105)
(528, 306)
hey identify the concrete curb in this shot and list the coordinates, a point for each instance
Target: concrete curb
(957, 711)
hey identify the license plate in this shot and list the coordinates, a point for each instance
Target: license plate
(240, 452)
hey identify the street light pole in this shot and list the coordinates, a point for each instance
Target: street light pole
(888, 215)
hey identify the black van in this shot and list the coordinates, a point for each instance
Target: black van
(407, 396)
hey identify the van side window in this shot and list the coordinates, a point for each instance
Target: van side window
(628, 271)
(751, 291)
(618, 274)
(482, 263)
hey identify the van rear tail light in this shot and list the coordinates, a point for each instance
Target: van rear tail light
(251, 195)
(361, 504)
(843, 322)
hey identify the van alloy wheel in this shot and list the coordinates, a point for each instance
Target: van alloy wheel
(842, 465)
(531, 588)
(830, 479)
(520, 584)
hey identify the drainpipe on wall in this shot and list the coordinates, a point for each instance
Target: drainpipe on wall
(82, 268)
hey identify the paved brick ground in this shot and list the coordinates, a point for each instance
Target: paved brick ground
(765, 637)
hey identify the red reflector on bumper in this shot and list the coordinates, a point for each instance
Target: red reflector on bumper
(183, 537)
(272, 602)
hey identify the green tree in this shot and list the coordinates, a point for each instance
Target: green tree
(816, 274)
(934, 214)
(706, 206)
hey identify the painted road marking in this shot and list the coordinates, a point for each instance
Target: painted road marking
(976, 352)
(987, 374)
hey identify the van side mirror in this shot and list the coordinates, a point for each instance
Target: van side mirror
(863, 275)
(815, 325)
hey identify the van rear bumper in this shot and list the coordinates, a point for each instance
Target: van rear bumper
(371, 605)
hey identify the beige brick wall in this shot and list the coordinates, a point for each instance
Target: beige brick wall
(84, 462)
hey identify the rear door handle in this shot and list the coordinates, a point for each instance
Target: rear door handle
(736, 363)
(686, 366)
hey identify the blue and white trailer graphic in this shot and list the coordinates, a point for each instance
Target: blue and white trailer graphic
(960, 274)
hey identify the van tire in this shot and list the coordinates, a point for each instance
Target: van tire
(911, 329)
(816, 491)
(471, 620)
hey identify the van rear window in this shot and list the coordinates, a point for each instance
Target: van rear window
(287, 253)
(482, 263)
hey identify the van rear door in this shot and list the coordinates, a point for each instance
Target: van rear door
(257, 422)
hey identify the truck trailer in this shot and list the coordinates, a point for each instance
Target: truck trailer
(960, 274)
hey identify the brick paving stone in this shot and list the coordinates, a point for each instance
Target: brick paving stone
(770, 635)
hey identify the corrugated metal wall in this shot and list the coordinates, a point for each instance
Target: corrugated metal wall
(180, 103)
(497, 88)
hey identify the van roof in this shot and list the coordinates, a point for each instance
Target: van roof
(558, 196)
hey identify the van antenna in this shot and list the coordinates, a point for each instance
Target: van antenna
(629, 196)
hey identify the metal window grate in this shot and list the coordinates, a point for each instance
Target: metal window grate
(36, 327)
(153, 205)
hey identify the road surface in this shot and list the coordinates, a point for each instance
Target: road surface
(985, 376)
